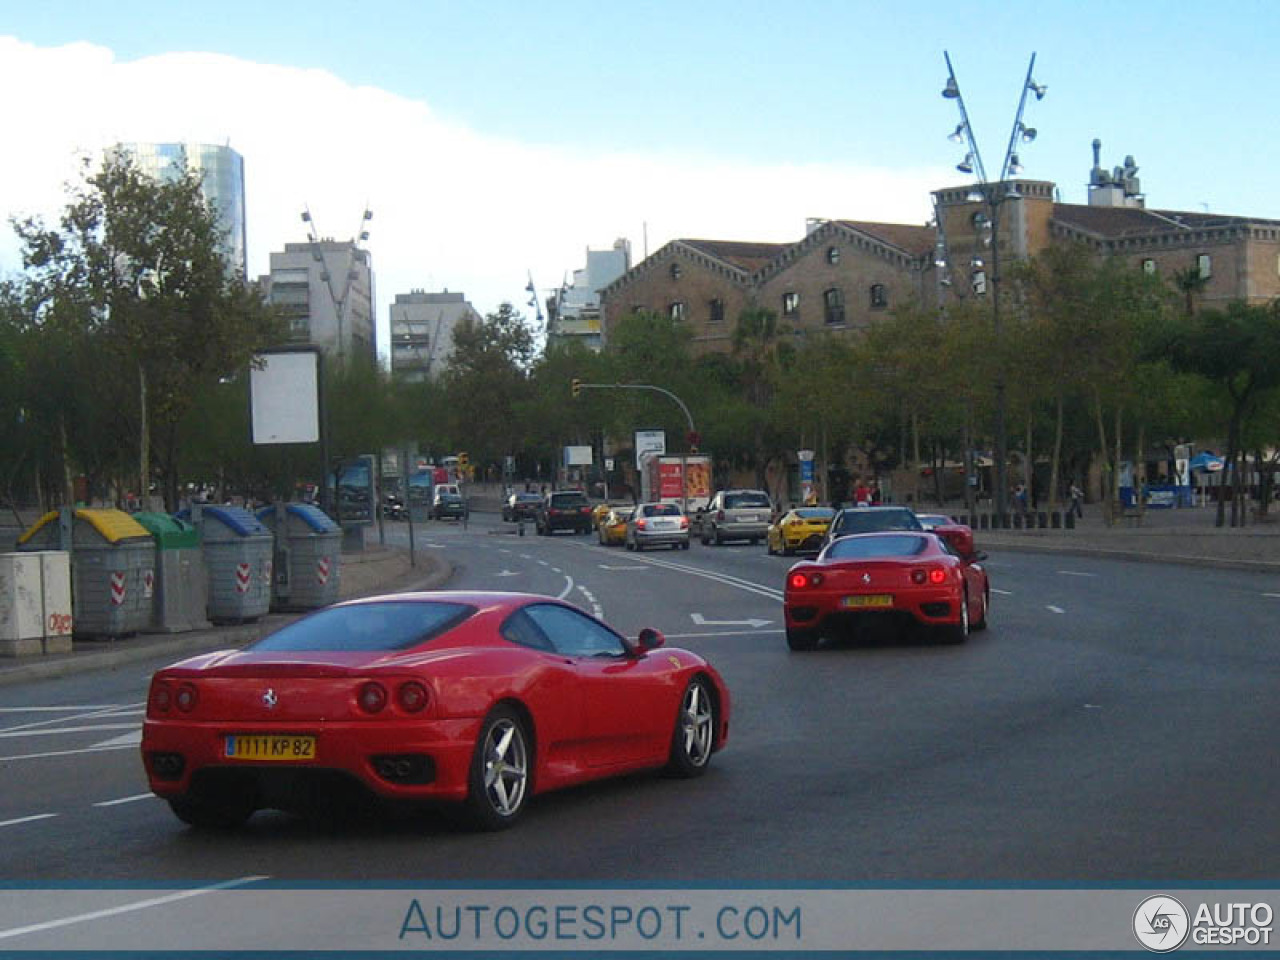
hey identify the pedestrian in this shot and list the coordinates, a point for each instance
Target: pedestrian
(1077, 501)
(862, 494)
(1020, 499)
(875, 493)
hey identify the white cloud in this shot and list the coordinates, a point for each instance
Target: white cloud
(453, 208)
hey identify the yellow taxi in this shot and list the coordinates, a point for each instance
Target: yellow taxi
(799, 530)
(612, 528)
(598, 513)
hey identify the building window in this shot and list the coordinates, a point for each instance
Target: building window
(833, 306)
(833, 255)
(879, 296)
(790, 304)
(715, 311)
(675, 271)
(676, 310)
(1205, 265)
(1149, 267)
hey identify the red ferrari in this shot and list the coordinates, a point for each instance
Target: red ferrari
(481, 699)
(933, 579)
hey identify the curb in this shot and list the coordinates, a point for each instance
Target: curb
(151, 645)
(1109, 553)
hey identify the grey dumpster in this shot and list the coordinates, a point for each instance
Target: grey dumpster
(182, 584)
(112, 568)
(237, 556)
(308, 556)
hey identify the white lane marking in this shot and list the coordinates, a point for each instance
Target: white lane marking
(1273, 595)
(525, 556)
(726, 579)
(80, 706)
(58, 731)
(629, 566)
(701, 621)
(92, 713)
(67, 753)
(722, 633)
(556, 570)
(127, 907)
(38, 816)
(124, 740)
(596, 609)
(1056, 609)
(507, 573)
(1003, 593)
(137, 796)
(568, 588)
(1076, 573)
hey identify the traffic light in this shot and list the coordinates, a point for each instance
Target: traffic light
(577, 386)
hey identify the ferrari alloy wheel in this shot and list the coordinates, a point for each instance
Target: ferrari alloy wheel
(695, 732)
(958, 632)
(800, 639)
(499, 771)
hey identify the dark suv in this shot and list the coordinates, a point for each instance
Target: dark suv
(871, 520)
(564, 510)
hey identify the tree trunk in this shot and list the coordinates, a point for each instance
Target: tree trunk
(144, 443)
(1055, 460)
(1115, 474)
(1104, 466)
(1140, 471)
(915, 459)
(1029, 466)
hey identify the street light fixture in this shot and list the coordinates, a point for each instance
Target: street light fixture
(994, 196)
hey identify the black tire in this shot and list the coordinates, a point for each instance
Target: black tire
(768, 548)
(958, 632)
(501, 771)
(981, 624)
(787, 551)
(802, 639)
(693, 739)
(684, 545)
(225, 812)
(719, 540)
(629, 545)
(706, 541)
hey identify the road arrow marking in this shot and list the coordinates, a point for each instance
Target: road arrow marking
(702, 621)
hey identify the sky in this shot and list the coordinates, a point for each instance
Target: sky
(497, 141)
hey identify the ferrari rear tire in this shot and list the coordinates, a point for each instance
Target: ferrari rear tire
(802, 639)
(224, 812)
(981, 622)
(695, 734)
(958, 632)
(499, 779)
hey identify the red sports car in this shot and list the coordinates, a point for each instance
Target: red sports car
(482, 699)
(934, 579)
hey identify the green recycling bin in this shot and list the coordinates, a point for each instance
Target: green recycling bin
(182, 589)
(112, 569)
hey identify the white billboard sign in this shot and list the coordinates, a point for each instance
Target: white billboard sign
(284, 397)
(650, 441)
(577, 456)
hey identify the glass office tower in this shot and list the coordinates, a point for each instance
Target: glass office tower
(222, 170)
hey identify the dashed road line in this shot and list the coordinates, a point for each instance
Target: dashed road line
(137, 796)
(1076, 573)
(1054, 609)
(30, 819)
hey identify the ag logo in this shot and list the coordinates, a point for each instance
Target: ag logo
(1161, 924)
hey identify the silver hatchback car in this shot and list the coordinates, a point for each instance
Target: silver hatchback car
(737, 515)
(657, 525)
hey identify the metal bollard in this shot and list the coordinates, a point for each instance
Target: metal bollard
(1042, 520)
(1071, 520)
(1055, 520)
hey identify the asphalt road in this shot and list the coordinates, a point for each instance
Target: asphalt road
(1115, 724)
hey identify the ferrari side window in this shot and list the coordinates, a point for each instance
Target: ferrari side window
(574, 634)
(522, 631)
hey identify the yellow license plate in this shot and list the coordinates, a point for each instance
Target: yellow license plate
(868, 600)
(249, 746)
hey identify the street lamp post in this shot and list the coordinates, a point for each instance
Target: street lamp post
(994, 196)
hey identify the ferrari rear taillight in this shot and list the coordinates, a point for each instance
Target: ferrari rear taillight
(412, 696)
(161, 697)
(187, 697)
(372, 697)
(937, 575)
(802, 579)
(934, 575)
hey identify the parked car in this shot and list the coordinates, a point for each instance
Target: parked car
(736, 515)
(933, 580)
(657, 525)
(521, 506)
(931, 520)
(853, 520)
(564, 510)
(477, 699)
(799, 530)
(612, 528)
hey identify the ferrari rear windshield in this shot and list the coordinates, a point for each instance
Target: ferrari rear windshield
(392, 625)
(870, 548)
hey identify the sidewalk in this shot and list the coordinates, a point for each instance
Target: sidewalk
(374, 571)
(1162, 536)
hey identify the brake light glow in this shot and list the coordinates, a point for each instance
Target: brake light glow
(684, 523)
(801, 580)
(937, 575)
(641, 524)
(372, 697)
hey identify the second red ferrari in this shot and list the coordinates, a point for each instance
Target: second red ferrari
(930, 579)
